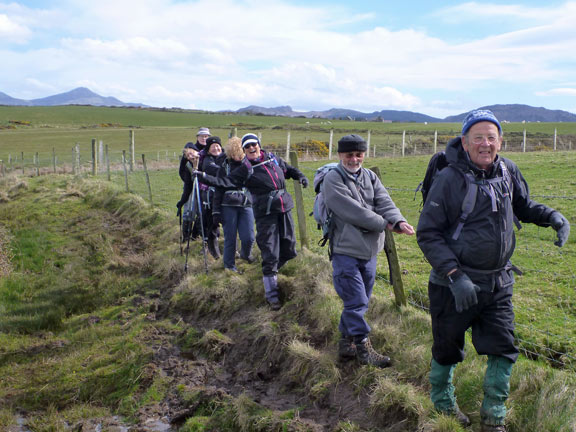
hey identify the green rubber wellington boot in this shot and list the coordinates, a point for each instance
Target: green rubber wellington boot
(442, 392)
(496, 390)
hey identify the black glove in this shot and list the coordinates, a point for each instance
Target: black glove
(216, 219)
(179, 205)
(304, 182)
(561, 226)
(463, 290)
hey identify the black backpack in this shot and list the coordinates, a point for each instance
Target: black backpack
(438, 162)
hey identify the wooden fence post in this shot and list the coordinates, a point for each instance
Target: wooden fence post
(555, 138)
(393, 263)
(301, 214)
(288, 146)
(147, 177)
(403, 142)
(435, 141)
(22, 163)
(100, 156)
(37, 163)
(125, 170)
(368, 143)
(77, 158)
(524, 142)
(107, 156)
(132, 145)
(330, 144)
(94, 161)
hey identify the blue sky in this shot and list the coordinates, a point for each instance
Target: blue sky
(436, 58)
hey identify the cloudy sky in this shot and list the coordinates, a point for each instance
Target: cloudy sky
(436, 58)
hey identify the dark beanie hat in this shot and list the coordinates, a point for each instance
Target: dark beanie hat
(352, 143)
(212, 140)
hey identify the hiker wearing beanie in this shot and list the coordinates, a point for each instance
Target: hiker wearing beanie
(472, 278)
(191, 152)
(264, 175)
(212, 158)
(361, 211)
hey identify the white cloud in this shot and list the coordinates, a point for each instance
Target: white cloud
(558, 92)
(218, 54)
(11, 31)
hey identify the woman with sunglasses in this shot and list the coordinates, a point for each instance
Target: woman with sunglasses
(265, 175)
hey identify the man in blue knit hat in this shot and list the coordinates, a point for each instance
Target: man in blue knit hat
(471, 280)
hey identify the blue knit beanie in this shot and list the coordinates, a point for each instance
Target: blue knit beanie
(249, 138)
(477, 116)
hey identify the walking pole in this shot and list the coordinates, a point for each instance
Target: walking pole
(181, 233)
(193, 211)
(204, 241)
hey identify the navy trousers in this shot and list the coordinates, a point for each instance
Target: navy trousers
(237, 221)
(353, 280)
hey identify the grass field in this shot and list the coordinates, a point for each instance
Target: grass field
(92, 265)
(161, 134)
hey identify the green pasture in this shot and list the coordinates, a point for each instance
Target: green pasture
(91, 264)
(160, 134)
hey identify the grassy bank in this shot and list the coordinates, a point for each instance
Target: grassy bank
(96, 321)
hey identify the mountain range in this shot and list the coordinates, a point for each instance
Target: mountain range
(510, 112)
(78, 96)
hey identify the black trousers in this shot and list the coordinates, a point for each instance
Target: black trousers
(276, 240)
(491, 321)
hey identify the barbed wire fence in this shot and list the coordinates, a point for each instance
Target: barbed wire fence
(556, 345)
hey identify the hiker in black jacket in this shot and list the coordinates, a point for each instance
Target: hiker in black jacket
(471, 279)
(212, 158)
(264, 175)
(190, 152)
(233, 209)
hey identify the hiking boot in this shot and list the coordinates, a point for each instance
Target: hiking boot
(249, 259)
(213, 247)
(274, 304)
(459, 415)
(346, 349)
(366, 355)
(492, 428)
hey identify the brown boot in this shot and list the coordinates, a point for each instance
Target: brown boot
(366, 355)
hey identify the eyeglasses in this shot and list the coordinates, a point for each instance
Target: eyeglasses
(479, 139)
(250, 144)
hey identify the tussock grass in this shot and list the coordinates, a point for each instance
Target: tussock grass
(391, 398)
(313, 369)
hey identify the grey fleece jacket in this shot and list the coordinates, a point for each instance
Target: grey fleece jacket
(362, 208)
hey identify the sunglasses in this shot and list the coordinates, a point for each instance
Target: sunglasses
(248, 145)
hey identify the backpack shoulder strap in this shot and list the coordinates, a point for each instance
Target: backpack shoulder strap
(468, 202)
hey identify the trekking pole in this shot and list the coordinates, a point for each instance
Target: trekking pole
(199, 201)
(181, 233)
(193, 211)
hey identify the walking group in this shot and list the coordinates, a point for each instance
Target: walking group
(465, 231)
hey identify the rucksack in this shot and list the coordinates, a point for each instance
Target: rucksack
(438, 162)
(322, 215)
